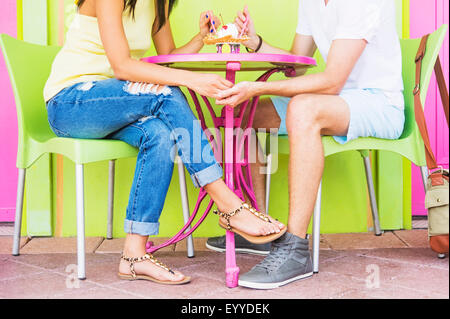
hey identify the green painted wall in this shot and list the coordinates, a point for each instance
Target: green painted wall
(345, 203)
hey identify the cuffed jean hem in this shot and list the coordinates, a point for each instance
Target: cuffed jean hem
(207, 176)
(141, 228)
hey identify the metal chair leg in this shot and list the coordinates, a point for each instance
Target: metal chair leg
(112, 168)
(268, 181)
(185, 205)
(373, 199)
(81, 249)
(19, 210)
(316, 230)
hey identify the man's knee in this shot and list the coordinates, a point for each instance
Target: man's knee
(303, 114)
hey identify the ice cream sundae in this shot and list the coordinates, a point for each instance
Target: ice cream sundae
(228, 34)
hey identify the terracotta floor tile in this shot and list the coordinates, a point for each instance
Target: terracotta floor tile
(103, 271)
(145, 289)
(323, 285)
(10, 269)
(363, 241)
(345, 271)
(58, 245)
(7, 241)
(391, 272)
(416, 238)
(60, 261)
(40, 285)
(391, 292)
(416, 256)
(343, 274)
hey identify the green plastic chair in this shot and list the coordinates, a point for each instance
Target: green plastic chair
(29, 67)
(409, 145)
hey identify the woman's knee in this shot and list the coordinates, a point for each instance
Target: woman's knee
(155, 134)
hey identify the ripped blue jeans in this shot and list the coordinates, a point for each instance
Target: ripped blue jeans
(155, 119)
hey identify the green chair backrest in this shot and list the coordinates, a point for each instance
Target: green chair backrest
(409, 51)
(29, 67)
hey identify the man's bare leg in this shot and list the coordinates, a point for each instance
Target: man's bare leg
(308, 118)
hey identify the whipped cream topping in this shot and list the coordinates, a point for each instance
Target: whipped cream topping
(229, 29)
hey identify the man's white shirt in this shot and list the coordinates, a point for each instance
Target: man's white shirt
(380, 65)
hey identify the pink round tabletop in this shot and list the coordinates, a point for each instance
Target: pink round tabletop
(218, 61)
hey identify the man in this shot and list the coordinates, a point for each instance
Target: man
(358, 95)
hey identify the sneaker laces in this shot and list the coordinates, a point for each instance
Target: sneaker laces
(278, 255)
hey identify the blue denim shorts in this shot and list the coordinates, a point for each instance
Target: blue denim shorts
(372, 114)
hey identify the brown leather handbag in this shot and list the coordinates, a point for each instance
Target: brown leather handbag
(437, 188)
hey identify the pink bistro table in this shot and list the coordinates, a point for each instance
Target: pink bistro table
(236, 152)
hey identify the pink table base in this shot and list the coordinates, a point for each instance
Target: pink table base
(236, 148)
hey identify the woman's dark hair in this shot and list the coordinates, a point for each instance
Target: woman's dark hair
(130, 5)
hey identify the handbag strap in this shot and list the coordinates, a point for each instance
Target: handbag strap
(418, 107)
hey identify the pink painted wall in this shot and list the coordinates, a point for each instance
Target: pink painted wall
(8, 121)
(427, 16)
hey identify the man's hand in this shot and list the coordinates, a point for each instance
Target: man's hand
(238, 94)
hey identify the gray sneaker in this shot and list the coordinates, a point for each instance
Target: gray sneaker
(289, 260)
(242, 245)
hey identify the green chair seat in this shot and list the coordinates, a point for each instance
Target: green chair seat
(79, 151)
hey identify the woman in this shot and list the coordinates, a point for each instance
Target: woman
(98, 88)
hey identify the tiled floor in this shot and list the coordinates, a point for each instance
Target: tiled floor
(395, 265)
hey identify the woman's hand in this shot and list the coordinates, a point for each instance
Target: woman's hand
(209, 85)
(206, 18)
(238, 94)
(241, 18)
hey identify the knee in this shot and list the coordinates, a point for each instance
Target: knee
(303, 115)
(157, 136)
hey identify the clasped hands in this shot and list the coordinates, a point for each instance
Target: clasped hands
(237, 94)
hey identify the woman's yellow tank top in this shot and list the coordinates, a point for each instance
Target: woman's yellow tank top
(83, 58)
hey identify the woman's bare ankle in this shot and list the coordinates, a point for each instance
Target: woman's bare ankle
(225, 199)
(135, 245)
